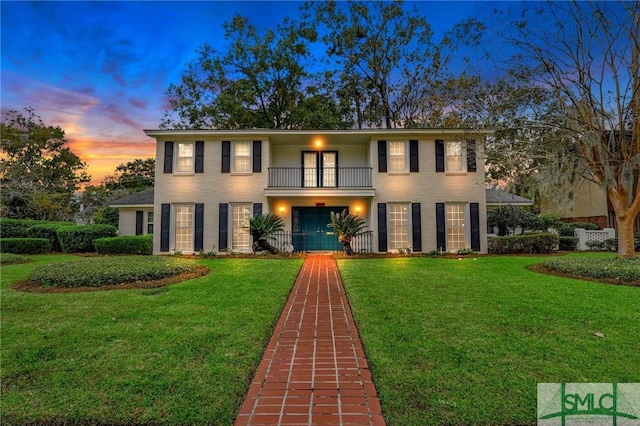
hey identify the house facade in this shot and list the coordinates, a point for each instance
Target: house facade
(135, 213)
(417, 189)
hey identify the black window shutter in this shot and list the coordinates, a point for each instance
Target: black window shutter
(198, 241)
(471, 156)
(139, 216)
(441, 227)
(439, 156)
(474, 210)
(223, 226)
(382, 156)
(413, 156)
(168, 157)
(226, 156)
(416, 227)
(257, 156)
(257, 209)
(199, 156)
(165, 223)
(382, 227)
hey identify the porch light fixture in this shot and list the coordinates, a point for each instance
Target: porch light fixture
(281, 209)
(318, 143)
(358, 209)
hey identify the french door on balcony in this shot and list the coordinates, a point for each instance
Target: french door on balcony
(319, 169)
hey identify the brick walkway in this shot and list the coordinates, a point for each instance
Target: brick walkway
(314, 371)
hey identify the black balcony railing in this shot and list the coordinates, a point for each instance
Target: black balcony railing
(330, 177)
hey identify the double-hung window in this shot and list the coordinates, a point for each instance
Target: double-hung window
(397, 157)
(184, 227)
(242, 157)
(150, 223)
(240, 216)
(185, 157)
(398, 228)
(456, 161)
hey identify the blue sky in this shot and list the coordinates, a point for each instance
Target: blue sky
(100, 70)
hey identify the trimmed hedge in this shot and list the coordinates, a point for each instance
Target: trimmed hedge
(25, 245)
(19, 228)
(100, 271)
(625, 270)
(566, 230)
(543, 242)
(611, 244)
(48, 231)
(568, 243)
(80, 239)
(9, 258)
(132, 244)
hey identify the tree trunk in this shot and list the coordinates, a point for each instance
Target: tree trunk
(347, 248)
(625, 235)
(625, 216)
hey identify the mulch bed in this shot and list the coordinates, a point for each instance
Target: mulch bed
(31, 287)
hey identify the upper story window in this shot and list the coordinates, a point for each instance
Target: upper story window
(397, 156)
(185, 157)
(456, 161)
(242, 157)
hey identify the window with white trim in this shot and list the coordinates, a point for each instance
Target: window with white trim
(184, 227)
(398, 157)
(242, 157)
(455, 155)
(398, 227)
(150, 223)
(456, 230)
(185, 157)
(240, 216)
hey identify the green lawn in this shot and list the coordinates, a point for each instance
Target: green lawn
(181, 354)
(466, 341)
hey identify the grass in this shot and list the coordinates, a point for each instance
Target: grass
(466, 342)
(181, 354)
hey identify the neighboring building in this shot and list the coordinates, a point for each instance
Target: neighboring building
(136, 213)
(85, 215)
(587, 202)
(417, 188)
(497, 197)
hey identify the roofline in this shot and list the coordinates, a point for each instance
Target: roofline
(267, 132)
(130, 205)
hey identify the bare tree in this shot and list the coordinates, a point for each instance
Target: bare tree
(587, 54)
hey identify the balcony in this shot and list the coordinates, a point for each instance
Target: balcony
(329, 177)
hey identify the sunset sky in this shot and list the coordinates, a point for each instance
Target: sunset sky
(100, 70)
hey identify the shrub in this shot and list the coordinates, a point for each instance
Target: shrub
(16, 228)
(8, 258)
(568, 243)
(507, 218)
(566, 230)
(625, 270)
(543, 242)
(132, 244)
(74, 239)
(547, 221)
(48, 231)
(611, 244)
(25, 245)
(99, 271)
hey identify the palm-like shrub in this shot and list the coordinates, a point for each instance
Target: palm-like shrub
(262, 227)
(347, 226)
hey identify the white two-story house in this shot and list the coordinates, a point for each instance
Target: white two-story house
(421, 189)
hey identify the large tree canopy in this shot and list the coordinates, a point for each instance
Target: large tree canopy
(261, 81)
(133, 176)
(38, 173)
(391, 70)
(585, 57)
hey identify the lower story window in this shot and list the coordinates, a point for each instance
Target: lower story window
(398, 226)
(150, 223)
(456, 235)
(184, 228)
(240, 216)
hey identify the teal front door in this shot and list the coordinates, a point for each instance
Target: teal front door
(313, 221)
